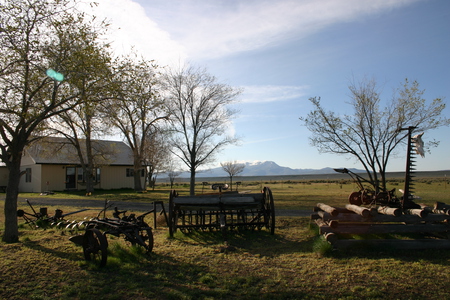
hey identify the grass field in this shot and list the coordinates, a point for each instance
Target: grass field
(254, 265)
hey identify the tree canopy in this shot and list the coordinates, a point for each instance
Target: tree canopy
(232, 168)
(46, 49)
(371, 134)
(58, 76)
(200, 112)
(136, 107)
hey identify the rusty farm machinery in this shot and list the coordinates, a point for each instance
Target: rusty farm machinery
(41, 218)
(133, 229)
(374, 211)
(222, 211)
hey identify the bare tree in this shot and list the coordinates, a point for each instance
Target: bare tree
(371, 133)
(156, 155)
(42, 45)
(232, 168)
(172, 174)
(200, 112)
(136, 108)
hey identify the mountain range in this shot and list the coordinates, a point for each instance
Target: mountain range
(263, 168)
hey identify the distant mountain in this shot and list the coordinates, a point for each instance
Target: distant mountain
(263, 168)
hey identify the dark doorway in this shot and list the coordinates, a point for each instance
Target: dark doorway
(71, 178)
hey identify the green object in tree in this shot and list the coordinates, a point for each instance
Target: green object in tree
(55, 75)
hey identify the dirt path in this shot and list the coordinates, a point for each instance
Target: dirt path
(129, 205)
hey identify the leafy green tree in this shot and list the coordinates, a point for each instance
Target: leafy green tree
(199, 114)
(42, 46)
(85, 122)
(371, 134)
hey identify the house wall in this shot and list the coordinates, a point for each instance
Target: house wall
(53, 178)
(43, 178)
(34, 186)
(114, 177)
(50, 172)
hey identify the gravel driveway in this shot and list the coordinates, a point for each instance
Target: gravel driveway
(130, 206)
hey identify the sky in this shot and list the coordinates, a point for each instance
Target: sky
(282, 53)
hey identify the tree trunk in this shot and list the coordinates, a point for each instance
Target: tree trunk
(89, 178)
(192, 183)
(137, 180)
(11, 234)
(90, 164)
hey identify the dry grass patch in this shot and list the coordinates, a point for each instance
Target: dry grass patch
(292, 264)
(253, 265)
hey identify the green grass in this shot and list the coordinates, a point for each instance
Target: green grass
(292, 264)
(288, 194)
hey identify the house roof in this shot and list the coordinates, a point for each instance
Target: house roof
(55, 150)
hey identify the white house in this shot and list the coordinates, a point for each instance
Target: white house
(52, 164)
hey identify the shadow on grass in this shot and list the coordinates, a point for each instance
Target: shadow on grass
(150, 276)
(369, 249)
(130, 273)
(70, 252)
(257, 241)
(434, 256)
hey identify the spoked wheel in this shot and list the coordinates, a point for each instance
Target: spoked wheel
(270, 210)
(355, 198)
(144, 236)
(95, 246)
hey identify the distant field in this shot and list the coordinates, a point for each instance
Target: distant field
(335, 176)
(290, 192)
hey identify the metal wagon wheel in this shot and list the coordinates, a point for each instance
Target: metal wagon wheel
(355, 198)
(270, 210)
(144, 236)
(361, 197)
(95, 246)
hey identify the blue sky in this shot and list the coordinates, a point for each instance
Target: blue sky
(284, 52)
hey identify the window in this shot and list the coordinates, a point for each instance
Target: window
(130, 172)
(28, 175)
(80, 175)
(97, 174)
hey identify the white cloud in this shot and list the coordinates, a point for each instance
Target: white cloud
(173, 31)
(271, 93)
(131, 28)
(218, 28)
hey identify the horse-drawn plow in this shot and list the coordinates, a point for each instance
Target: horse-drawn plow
(41, 218)
(133, 229)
